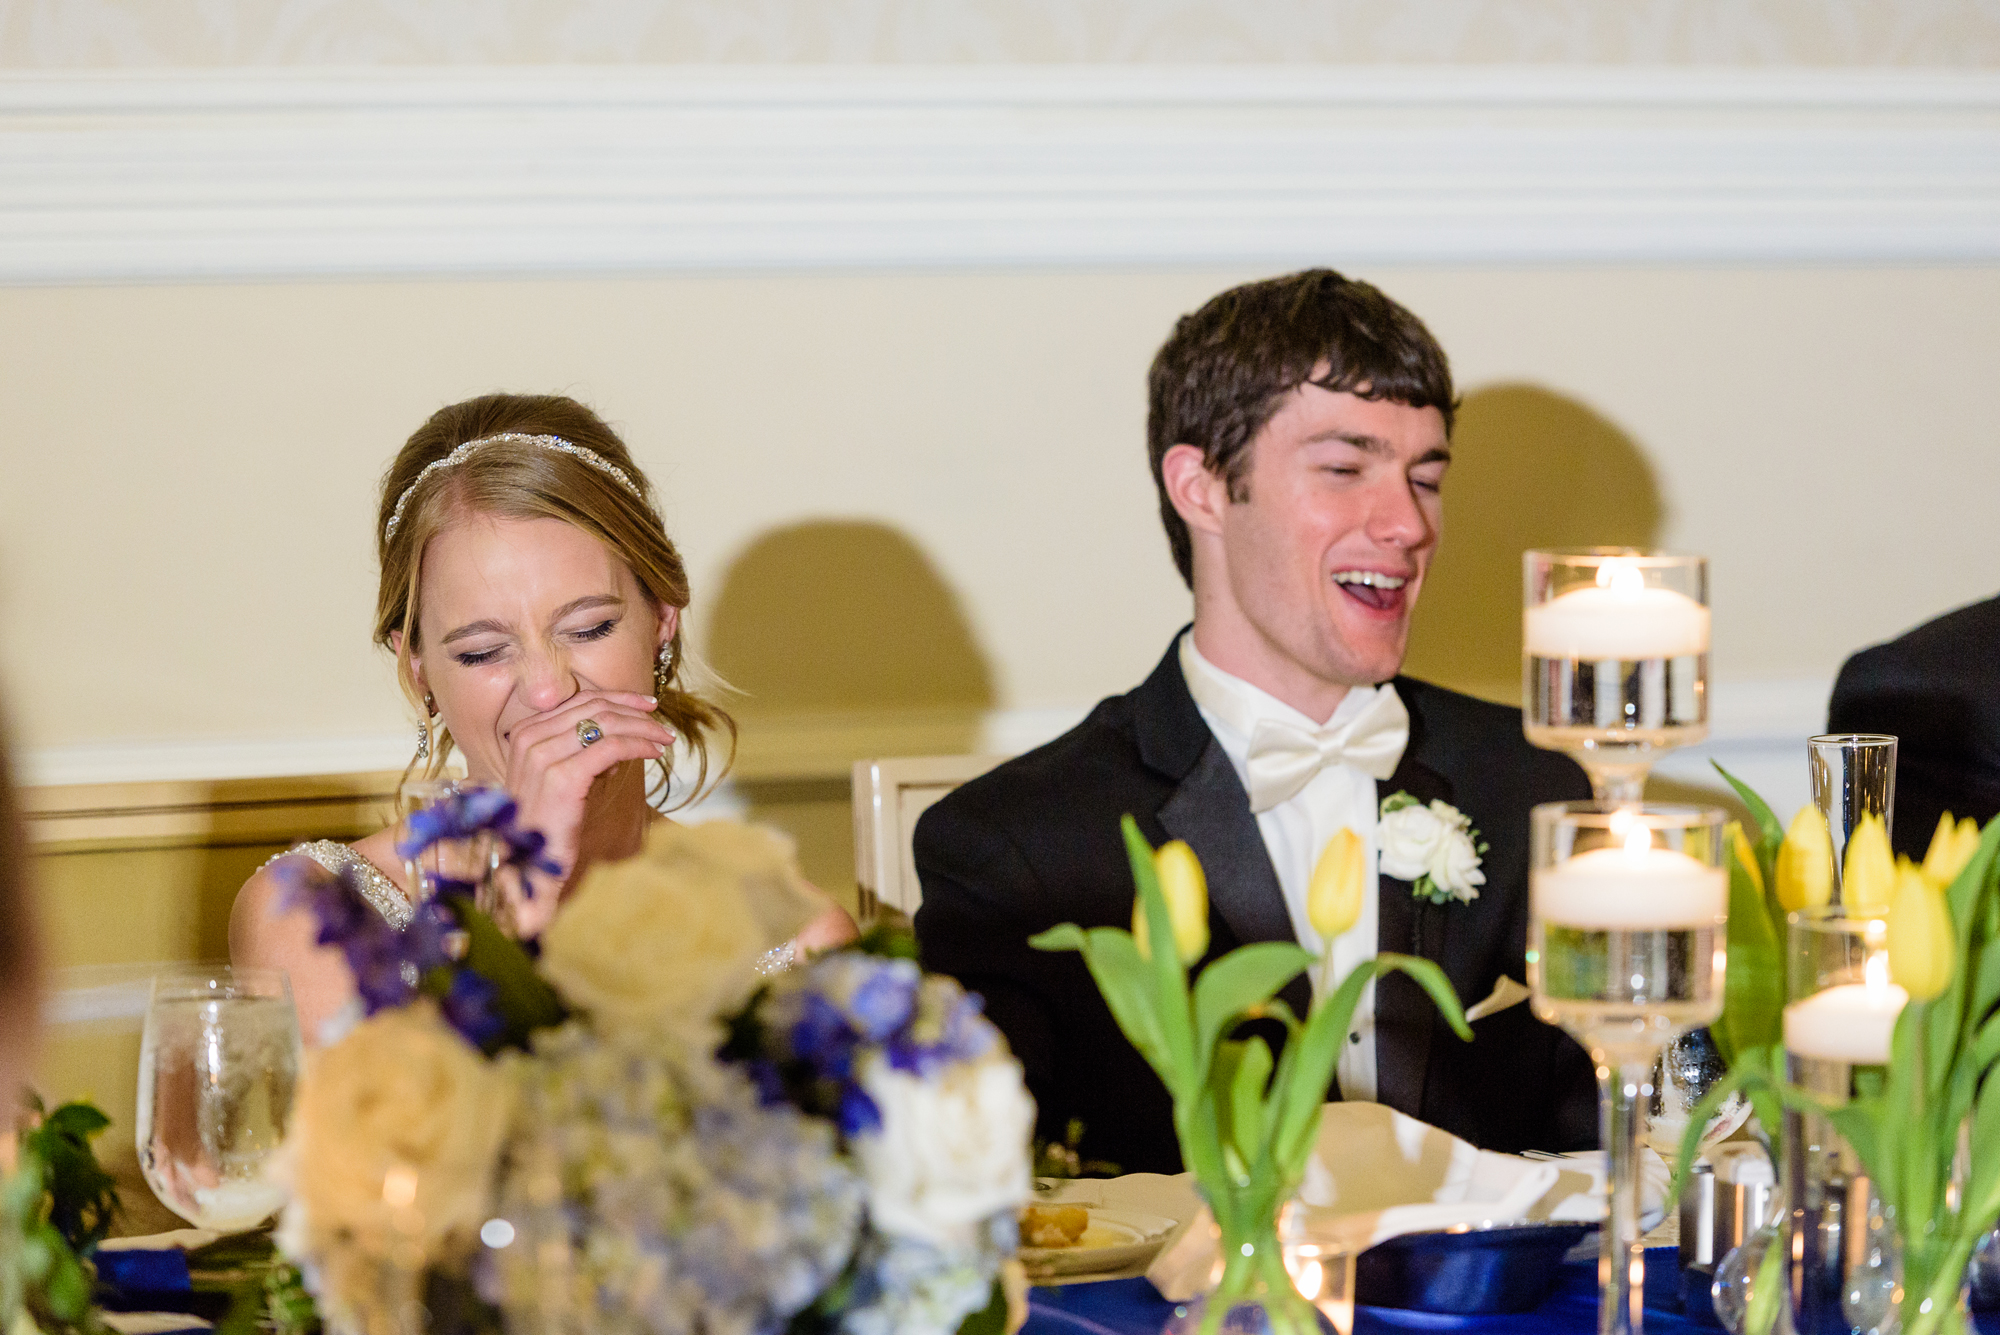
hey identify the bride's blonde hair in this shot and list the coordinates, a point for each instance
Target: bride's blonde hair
(593, 485)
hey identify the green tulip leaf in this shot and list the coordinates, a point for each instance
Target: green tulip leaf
(1246, 977)
(1753, 1004)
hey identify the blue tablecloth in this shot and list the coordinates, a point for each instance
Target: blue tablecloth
(1133, 1307)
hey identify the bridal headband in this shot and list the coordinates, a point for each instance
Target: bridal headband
(556, 443)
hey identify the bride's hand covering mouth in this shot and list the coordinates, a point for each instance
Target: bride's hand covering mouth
(556, 781)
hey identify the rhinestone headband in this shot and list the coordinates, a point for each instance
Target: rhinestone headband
(556, 443)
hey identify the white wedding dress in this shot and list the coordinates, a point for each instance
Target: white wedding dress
(383, 896)
(380, 892)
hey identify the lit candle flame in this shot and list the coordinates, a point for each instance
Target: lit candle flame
(1621, 577)
(1875, 972)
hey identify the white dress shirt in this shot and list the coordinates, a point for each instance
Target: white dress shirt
(1297, 829)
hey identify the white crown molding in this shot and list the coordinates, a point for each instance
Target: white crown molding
(1748, 718)
(177, 176)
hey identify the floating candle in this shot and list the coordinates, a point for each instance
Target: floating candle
(1621, 618)
(1850, 1022)
(1631, 889)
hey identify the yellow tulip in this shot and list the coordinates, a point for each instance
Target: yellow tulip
(1952, 846)
(1746, 857)
(1868, 880)
(1921, 948)
(1339, 879)
(1186, 892)
(1805, 863)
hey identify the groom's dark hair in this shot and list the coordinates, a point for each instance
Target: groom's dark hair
(1227, 367)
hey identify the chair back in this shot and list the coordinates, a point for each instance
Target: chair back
(889, 795)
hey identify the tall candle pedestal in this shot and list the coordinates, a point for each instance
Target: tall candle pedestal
(1843, 1268)
(1615, 660)
(1627, 907)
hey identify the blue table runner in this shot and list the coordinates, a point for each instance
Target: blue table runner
(1134, 1307)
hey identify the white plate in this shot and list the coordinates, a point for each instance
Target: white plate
(1114, 1239)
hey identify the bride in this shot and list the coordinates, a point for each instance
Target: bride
(532, 599)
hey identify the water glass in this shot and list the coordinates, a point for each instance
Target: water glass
(1615, 659)
(1853, 775)
(444, 865)
(1626, 949)
(218, 1062)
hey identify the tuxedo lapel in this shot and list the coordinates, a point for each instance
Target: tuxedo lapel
(1405, 1016)
(1210, 811)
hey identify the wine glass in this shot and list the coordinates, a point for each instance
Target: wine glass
(218, 1063)
(445, 864)
(1626, 949)
(1614, 653)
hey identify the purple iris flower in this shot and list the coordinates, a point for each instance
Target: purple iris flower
(939, 1040)
(374, 951)
(883, 1002)
(858, 1113)
(471, 810)
(822, 1037)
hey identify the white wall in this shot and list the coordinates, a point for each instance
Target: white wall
(1775, 354)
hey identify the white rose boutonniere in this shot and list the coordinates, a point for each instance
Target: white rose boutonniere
(1433, 847)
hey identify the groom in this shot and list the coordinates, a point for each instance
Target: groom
(1299, 432)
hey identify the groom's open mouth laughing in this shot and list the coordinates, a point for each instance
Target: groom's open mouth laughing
(1373, 589)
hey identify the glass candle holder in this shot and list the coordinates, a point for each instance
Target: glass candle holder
(1853, 775)
(1626, 949)
(1319, 1250)
(1614, 651)
(1839, 1018)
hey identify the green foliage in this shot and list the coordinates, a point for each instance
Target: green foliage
(1064, 1158)
(990, 1319)
(55, 1208)
(524, 999)
(1753, 991)
(1904, 1122)
(1246, 1123)
(83, 1198)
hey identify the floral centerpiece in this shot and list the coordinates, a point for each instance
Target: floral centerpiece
(1906, 1121)
(1246, 1120)
(636, 1131)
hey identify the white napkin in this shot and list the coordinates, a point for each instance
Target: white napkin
(1506, 994)
(182, 1239)
(1376, 1174)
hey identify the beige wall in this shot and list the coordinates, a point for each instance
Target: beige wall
(868, 472)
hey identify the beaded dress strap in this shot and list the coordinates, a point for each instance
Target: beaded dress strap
(380, 892)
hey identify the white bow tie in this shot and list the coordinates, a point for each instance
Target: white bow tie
(1284, 757)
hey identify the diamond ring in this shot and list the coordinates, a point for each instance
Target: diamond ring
(588, 732)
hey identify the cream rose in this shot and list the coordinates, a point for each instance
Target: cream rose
(670, 938)
(395, 1134)
(1454, 867)
(952, 1151)
(1409, 838)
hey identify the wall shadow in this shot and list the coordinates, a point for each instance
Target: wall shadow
(1530, 468)
(843, 643)
(837, 616)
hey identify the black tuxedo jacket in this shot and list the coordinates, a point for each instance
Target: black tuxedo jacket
(1036, 842)
(1937, 689)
